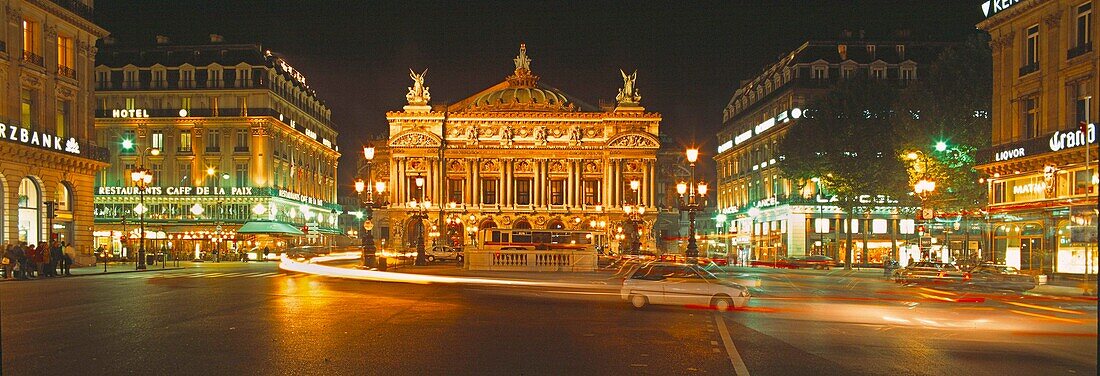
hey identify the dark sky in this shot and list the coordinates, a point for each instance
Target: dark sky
(689, 55)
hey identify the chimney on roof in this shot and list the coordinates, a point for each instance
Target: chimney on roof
(109, 40)
(215, 38)
(161, 39)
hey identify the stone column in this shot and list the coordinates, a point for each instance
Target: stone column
(475, 184)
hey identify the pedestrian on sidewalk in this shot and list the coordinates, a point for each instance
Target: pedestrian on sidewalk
(20, 267)
(37, 255)
(67, 252)
(56, 257)
(8, 261)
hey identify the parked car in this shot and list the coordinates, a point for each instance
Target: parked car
(999, 277)
(815, 261)
(781, 262)
(681, 284)
(927, 272)
(441, 252)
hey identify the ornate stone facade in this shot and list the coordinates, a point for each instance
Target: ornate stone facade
(522, 154)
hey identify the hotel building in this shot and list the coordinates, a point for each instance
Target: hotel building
(247, 153)
(1043, 201)
(521, 155)
(48, 159)
(774, 217)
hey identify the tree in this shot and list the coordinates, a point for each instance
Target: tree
(950, 103)
(845, 144)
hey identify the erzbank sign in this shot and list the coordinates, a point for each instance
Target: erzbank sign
(41, 139)
(989, 8)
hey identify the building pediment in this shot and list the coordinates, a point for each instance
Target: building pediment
(634, 140)
(416, 139)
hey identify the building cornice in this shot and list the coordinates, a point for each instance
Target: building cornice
(1007, 15)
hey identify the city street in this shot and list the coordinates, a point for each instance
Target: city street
(233, 318)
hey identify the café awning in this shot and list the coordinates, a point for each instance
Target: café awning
(264, 227)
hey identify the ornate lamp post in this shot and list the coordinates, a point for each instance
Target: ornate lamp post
(367, 202)
(924, 188)
(634, 215)
(420, 214)
(142, 177)
(692, 203)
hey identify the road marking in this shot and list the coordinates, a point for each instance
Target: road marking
(1044, 316)
(735, 357)
(938, 291)
(936, 297)
(1052, 309)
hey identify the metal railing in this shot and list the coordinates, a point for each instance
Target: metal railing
(1079, 50)
(76, 6)
(66, 72)
(32, 58)
(1028, 69)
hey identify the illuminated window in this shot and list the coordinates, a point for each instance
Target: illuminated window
(1084, 24)
(1030, 121)
(878, 226)
(184, 172)
(523, 191)
(489, 191)
(157, 140)
(591, 192)
(1031, 51)
(65, 52)
(557, 192)
(31, 44)
(454, 191)
(185, 141)
(821, 225)
(64, 197)
(907, 226)
(28, 105)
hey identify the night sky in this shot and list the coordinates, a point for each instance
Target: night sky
(690, 56)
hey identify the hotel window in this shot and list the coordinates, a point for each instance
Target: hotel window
(101, 80)
(213, 141)
(158, 79)
(187, 78)
(155, 170)
(1031, 51)
(454, 191)
(908, 74)
(158, 140)
(242, 140)
(242, 174)
(28, 105)
(215, 78)
(65, 57)
(131, 79)
(878, 73)
(591, 192)
(489, 191)
(820, 73)
(130, 103)
(557, 192)
(185, 141)
(1082, 102)
(64, 114)
(523, 191)
(1084, 25)
(847, 72)
(31, 44)
(185, 103)
(184, 172)
(1030, 117)
(244, 77)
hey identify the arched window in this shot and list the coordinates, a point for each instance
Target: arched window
(64, 197)
(522, 225)
(30, 200)
(555, 224)
(488, 223)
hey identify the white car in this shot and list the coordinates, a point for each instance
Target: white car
(682, 284)
(444, 253)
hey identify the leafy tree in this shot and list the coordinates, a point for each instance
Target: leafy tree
(845, 144)
(950, 103)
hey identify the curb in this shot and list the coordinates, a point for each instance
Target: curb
(95, 274)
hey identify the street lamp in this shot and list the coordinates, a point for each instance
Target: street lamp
(420, 214)
(692, 203)
(634, 215)
(367, 201)
(141, 177)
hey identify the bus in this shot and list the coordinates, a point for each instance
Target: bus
(497, 239)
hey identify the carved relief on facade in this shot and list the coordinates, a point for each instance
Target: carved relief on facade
(540, 135)
(557, 166)
(524, 166)
(473, 132)
(490, 165)
(576, 135)
(259, 130)
(417, 164)
(455, 165)
(634, 166)
(634, 141)
(506, 220)
(415, 139)
(15, 16)
(540, 220)
(65, 92)
(592, 167)
(31, 81)
(506, 135)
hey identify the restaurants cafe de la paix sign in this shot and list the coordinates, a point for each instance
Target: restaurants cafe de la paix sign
(176, 191)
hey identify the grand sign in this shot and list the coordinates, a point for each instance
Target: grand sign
(1052, 142)
(30, 137)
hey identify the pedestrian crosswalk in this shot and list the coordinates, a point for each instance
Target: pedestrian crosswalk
(197, 275)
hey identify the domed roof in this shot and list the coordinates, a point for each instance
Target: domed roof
(522, 99)
(522, 93)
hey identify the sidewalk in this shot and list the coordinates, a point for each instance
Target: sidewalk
(116, 268)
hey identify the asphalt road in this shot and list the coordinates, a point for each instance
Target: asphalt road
(231, 318)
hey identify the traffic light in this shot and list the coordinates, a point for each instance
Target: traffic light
(920, 230)
(51, 209)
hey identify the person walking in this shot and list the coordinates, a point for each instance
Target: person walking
(267, 251)
(20, 260)
(35, 260)
(8, 261)
(56, 257)
(67, 252)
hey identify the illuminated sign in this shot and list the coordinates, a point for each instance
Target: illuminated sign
(130, 113)
(1029, 188)
(766, 125)
(329, 143)
(311, 133)
(176, 191)
(291, 71)
(989, 8)
(43, 140)
(301, 198)
(725, 146)
(770, 201)
(1009, 154)
(1072, 139)
(742, 137)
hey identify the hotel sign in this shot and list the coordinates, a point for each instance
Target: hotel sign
(130, 113)
(992, 7)
(41, 139)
